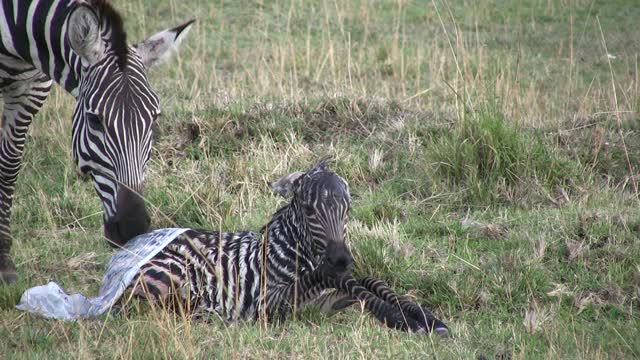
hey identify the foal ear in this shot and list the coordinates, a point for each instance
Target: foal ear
(83, 33)
(162, 45)
(284, 186)
(321, 166)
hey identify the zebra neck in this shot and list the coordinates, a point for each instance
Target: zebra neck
(288, 229)
(38, 30)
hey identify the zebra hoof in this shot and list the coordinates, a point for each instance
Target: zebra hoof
(442, 332)
(8, 277)
(440, 329)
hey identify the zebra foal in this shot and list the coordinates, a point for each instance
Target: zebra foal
(290, 263)
(82, 46)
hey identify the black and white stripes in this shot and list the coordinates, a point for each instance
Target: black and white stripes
(82, 46)
(292, 262)
(113, 143)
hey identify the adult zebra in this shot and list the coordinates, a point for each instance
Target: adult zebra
(82, 46)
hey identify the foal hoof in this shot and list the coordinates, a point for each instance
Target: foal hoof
(440, 329)
(442, 332)
(8, 277)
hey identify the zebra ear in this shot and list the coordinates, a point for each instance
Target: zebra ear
(162, 45)
(83, 33)
(285, 185)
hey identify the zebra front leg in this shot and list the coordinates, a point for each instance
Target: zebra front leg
(337, 300)
(333, 301)
(22, 100)
(408, 307)
(383, 311)
(282, 300)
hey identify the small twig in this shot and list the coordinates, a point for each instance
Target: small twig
(466, 262)
(419, 93)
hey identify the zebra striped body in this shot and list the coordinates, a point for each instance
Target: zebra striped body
(240, 276)
(270, 274)
(80, 45)
(33, 43)
(212, 272)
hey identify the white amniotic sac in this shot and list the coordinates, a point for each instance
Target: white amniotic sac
(52, 301)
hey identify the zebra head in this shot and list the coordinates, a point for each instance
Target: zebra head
(115, 111)
(324, 203)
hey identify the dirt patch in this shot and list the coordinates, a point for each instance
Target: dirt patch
(485, 230)
(609, 295)
(175, 138)
(575, 250)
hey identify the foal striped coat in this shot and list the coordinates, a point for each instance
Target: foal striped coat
(290, 263)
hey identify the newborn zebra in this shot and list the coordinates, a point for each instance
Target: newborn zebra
(290, 263)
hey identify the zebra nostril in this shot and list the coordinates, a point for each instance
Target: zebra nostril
(120, 231)
(130, 220)
(339, 262)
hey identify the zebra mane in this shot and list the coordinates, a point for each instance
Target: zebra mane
(321, 166)
(108, 14)
(276, 217)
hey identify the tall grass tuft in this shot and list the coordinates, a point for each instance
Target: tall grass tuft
(488, 157)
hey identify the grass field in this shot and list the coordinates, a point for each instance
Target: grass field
(492, 149)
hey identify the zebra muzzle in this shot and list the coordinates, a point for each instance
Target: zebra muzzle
(130, 220)
(337, 261)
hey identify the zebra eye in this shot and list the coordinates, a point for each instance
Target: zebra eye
(94, 121)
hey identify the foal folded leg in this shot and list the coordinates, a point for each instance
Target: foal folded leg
(335, 300)
(408, 307)
(331, 301)
(383, 311)
(284, 299)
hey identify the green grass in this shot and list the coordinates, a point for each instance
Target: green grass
(490, 161)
